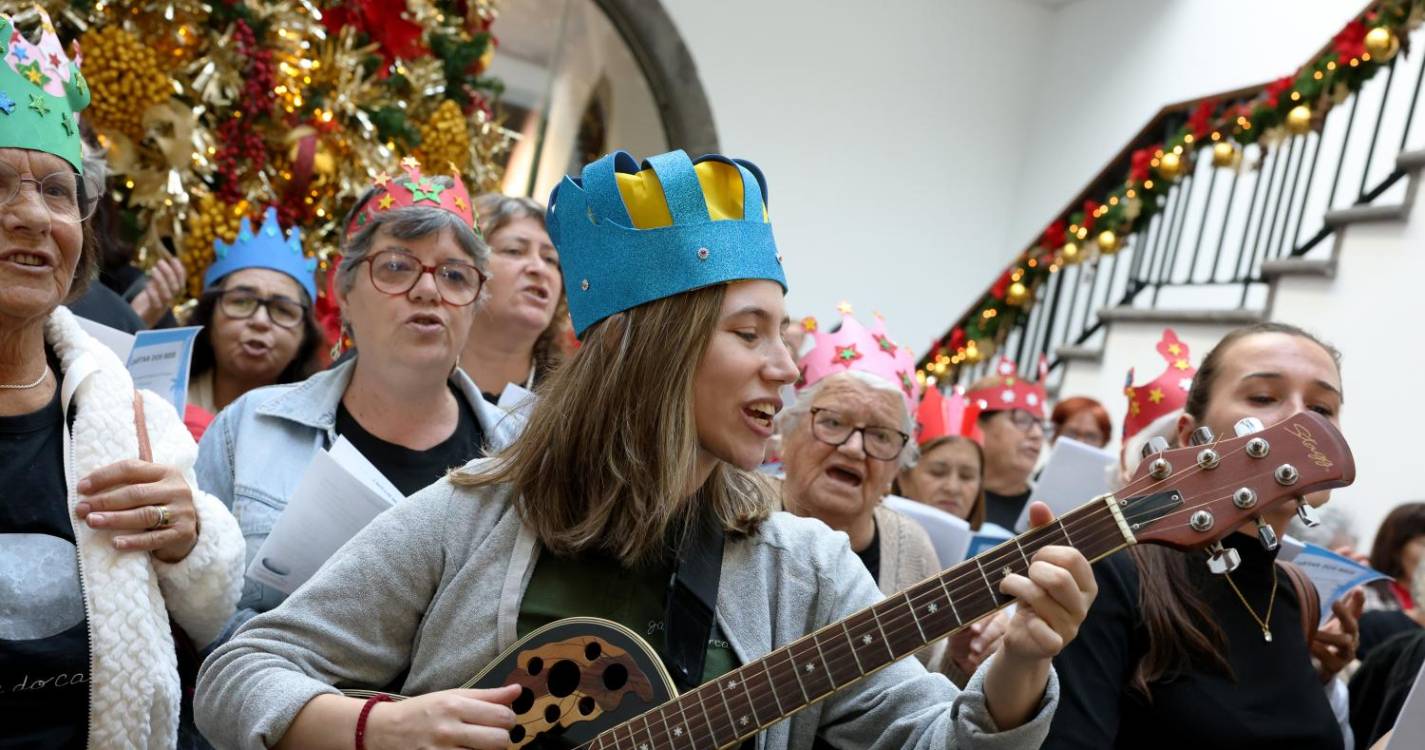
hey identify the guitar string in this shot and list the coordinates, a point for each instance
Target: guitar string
(902, 625)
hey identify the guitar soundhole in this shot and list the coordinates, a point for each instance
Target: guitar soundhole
(563, 678)
(551, 713)
(615, 676)
(535, 666)
(592, 650)
(517, 734)
(523, 703)
(586, 705)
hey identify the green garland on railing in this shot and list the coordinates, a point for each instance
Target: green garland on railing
(1289, 106)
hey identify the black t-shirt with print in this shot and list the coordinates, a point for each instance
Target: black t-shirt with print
(411, 470)
(44, 634)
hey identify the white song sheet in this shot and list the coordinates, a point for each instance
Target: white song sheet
(338, 495)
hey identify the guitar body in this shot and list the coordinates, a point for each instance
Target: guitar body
(580, 677)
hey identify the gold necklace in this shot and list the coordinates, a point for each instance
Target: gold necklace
(1261, 622)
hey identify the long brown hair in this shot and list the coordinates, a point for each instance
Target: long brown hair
(609, 453)
(1182, 629)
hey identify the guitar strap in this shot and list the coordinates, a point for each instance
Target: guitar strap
(692, 601)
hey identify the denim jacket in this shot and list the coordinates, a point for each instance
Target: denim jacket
(256, 450)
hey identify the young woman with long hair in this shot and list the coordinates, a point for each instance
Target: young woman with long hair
(645, 437)
(1171, 653)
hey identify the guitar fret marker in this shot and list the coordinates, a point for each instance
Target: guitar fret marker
(933, 608)
(866, 639)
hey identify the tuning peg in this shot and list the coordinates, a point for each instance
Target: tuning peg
(1157, 445)
(1202, 436)
(1222, 559)
(1266, 535)
(1307, 514)
(1247, 426)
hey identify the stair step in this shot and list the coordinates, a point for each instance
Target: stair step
(1233, 317)
(1410, 161)
(1298, 267)
(1079, 353)
(1367, 213)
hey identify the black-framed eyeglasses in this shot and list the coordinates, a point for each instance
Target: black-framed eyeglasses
(832, 428)
(240, 304)
(396, 273)
(62, 193)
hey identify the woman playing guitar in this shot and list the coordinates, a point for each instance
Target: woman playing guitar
(630, 478)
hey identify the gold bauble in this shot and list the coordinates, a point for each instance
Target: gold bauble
(1382, 43)
(1298, 120)
(1225, 154)
(1108, 241)
(1018, 294)
(1070, 253)
(1170, 165)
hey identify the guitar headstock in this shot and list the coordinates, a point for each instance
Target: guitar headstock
(1193, 497)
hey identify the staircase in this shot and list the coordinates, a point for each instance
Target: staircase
(1313, 230)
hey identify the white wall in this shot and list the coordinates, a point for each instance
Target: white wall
(891, 136)
(1111, 64)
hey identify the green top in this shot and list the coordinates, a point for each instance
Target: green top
(597, 586)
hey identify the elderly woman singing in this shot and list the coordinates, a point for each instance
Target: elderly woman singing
(103, 536)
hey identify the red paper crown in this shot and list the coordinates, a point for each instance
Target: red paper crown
(412, 190)
(941, 415)
(1009, 391)
(1147, 403)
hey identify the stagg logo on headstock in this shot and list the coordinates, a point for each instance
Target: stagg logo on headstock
(1308, 441)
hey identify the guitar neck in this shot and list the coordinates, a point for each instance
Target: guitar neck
(765, 691)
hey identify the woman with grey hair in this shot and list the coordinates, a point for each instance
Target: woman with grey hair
(517, 334)
(409, 283)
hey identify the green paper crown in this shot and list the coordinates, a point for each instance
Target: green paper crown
(41, 94)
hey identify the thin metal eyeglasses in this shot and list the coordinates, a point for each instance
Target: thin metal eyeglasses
(62, 193)
(396, 273)
(1025, 421)
(832, 428)
(240, 304)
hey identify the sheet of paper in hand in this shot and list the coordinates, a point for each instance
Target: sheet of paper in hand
(1333, 574)
(950, 535)
(157, 360)
(330, 505)
(1075, 474)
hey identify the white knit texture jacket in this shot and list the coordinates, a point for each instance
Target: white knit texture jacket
(133, 680)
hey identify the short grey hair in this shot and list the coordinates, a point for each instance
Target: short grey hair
(791, 418)
(409, 223)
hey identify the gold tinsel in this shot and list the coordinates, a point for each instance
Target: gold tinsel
(125, 78)
(445, 142)
(208, 219)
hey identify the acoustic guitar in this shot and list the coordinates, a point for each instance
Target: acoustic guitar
(594, 684)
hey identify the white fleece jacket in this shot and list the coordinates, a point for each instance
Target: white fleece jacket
(133, 676)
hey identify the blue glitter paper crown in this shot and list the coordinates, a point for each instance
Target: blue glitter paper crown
(628, 235)
(266, 248)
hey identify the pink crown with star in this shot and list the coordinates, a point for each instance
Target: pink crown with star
(411, 189)
(1008, 391)
(852, 346)
(1165, 395)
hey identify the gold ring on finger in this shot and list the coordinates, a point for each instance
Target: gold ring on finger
(165, 518)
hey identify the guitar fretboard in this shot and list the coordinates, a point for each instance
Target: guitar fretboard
(740, 703)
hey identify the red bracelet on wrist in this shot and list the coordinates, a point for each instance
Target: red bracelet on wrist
(361, 719)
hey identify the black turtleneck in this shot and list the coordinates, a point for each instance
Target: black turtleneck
(1272, 700)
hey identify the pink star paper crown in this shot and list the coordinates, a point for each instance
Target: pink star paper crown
(413, 190)
(1165, 395)
(943, 415)
(1008, 391)
(854, 347)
